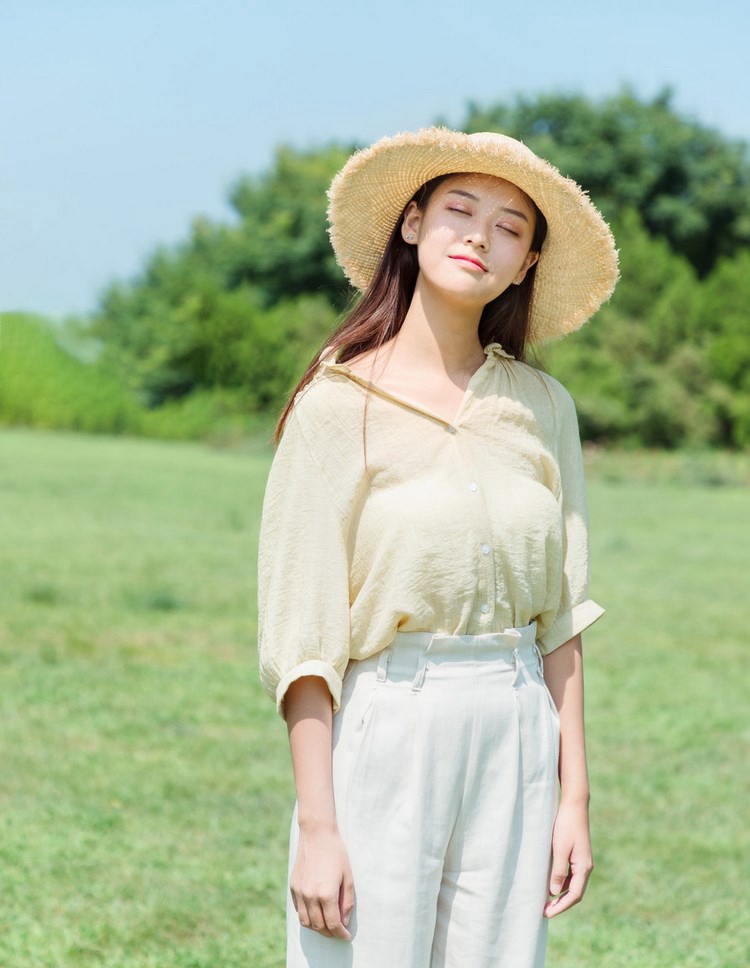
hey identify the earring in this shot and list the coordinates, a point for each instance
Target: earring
(409, 238)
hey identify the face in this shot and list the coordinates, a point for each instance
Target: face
(473, 239)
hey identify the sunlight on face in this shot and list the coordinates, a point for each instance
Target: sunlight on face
(491, 195)
(473, 237)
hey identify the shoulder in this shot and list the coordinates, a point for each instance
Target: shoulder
(326, 413)
(558, 395)
(322, 440)
(328, 396)
(540, 399)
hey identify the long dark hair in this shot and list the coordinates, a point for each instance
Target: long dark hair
(379, 314)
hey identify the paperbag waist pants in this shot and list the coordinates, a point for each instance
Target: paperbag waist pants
(445, 756)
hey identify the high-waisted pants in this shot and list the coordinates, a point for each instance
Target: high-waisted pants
(445, 784)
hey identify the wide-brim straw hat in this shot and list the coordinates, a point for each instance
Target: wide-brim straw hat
(578, 267)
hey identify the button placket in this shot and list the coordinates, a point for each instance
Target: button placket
(485, 608)
(485, 591)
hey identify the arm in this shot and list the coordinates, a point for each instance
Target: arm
(572, 862)
(321, 881)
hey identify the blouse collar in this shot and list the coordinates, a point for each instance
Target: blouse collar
(496, 352)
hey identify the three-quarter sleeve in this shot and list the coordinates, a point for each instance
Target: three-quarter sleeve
(576, 610)
(303, 571)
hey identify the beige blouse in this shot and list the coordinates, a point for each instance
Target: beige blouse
(406, 522)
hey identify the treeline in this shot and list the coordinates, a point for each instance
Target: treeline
(44, 384)
(235, 311)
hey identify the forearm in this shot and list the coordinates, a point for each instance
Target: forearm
(309, 721)
(563, 673)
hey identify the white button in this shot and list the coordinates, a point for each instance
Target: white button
(473, 486)
(485, 608)
(485, 549)
(451, 429)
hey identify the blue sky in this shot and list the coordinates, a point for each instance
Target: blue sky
(120, 121)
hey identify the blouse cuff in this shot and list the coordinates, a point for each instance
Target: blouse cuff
(569, 624)
(311, 667)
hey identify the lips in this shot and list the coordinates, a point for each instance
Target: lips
(471, 260)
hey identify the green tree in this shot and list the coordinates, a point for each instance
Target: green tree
(281, 244)
(638, 372)
(42, 385)
(724, 317)
(689, 183)
(240, 307)
(211, 337)
(201, 314)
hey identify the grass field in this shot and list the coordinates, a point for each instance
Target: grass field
(146, 789)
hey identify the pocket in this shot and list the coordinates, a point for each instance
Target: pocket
(553, 707)
(351, 726)
(550, 701)
(356, 670)
(351, 666)
(554, 720)
(357, 697)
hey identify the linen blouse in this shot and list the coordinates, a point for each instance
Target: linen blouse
(380, 516)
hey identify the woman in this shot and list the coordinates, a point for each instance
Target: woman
(423, 571)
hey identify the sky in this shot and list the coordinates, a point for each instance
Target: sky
(122, 121)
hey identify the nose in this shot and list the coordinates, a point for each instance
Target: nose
(476, 235)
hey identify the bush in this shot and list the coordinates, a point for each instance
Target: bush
(43, 386)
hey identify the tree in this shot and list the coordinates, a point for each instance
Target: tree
(690, 184)
(199, 315)
(281, 245)
(637, 372)
(243, 306)
(724, 318)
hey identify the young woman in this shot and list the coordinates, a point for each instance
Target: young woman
(423, 571)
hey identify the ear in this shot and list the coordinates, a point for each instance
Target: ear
(531, 259)
(410, 224)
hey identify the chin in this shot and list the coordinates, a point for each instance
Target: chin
(465, 301)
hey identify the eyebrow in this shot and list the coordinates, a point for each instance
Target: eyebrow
(510, 211)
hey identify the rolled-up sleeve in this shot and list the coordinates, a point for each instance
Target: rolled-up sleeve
(303, 572)
(576, 610)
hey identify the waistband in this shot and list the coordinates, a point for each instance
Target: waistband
(485, 643)
(410, 654)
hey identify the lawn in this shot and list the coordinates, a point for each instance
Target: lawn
(146, 786)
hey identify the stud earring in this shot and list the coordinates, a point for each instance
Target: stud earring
(409, 238)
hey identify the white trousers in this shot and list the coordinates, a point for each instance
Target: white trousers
(445, 756)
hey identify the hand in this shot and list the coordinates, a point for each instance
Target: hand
(572, 862)
(321, 883)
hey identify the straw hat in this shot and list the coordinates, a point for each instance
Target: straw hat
(577, 269)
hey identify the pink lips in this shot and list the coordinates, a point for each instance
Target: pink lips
(470, 260)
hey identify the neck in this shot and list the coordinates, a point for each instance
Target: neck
(440, 334)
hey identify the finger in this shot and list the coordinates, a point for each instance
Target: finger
(346, 899)
(575, 889)
(316, 909)
(302, 912)
(332, 915)
(555, 904)
(309, 913)
(559, 904)
(559, 874)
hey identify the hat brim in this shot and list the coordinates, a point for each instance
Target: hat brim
(578, 268)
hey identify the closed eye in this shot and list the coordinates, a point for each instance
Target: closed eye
(509, 229)
(461, 211)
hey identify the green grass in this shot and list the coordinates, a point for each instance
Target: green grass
(146, 788)
(143, 776)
